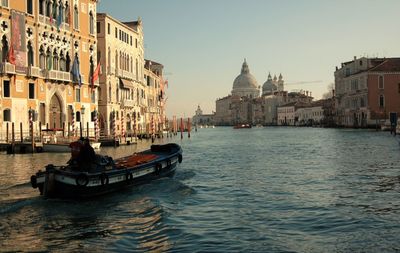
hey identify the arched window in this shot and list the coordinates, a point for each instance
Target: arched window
(381, 101)
(55, 60)
(91, 22)
(48, 8)
(117, 94)
(48, 59)
(42, 58)
(63, 66)
(7, 115)
(131, 70)
(67, 63)
(30, 54)
(91, 68)
(4, 48)
(66, 13)
(109, 92)
(76, 17)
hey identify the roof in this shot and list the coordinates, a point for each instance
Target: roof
(388, 65)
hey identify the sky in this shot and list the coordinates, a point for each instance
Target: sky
(202, 43)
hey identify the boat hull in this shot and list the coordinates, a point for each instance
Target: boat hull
(60, 182)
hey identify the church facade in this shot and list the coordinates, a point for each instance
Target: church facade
(250, 104)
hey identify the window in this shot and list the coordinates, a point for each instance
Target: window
(31, 90)
(136, 42)
(347, 72)
(381, 101)
(116, 32)
(29, 6)
(4, 3)
(77, 95)
(91, 23)
(78, 116)
(360, 63)
(108, 28)
(7, 115)
(380, 82)
(6, 89)
(30, 54)
(4, 48)
(76, 18)
(42, 58)
(93, 96)
(98, 27)
(41, 7)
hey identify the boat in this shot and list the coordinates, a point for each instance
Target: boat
(239, 126)
(106, 175)
(64, 147)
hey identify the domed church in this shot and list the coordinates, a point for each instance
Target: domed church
(272, 85)
(245, 85)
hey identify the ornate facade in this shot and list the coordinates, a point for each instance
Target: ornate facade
(48, 50)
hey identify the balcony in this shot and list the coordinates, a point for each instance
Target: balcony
(7, 68)
(55, 75)
(128, 103)
(33, 71)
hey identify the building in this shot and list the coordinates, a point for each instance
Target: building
(122, 98)
(367, 91)
(155, 96)
(200, 119)
(245, 105)
(48, 53)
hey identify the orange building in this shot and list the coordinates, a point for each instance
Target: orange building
(367, 91)
(48, 55)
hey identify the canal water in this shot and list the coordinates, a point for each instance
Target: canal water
(245, 190)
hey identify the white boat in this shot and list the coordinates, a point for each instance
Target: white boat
(64, 147)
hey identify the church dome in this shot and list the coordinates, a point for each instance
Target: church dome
(269, 86)
(245, 84)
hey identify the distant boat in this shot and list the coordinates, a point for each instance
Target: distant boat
(239, 126)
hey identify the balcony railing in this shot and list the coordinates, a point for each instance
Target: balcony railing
(7, 68)
(33, 71)
(128, 103)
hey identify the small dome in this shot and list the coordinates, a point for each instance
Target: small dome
(269, 87)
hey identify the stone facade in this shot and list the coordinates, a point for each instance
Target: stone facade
(41, 41)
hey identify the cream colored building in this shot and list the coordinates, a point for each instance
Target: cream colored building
(123, 89)
(155, 111)
(47, 36)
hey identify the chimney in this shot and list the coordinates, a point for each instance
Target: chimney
(355, 57)
(333, 93)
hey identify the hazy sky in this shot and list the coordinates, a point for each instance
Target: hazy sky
(202, 43)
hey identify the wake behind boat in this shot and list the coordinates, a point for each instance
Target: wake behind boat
(106, 175)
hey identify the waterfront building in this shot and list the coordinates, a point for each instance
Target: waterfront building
(367, 91)
(223, 112)
(122, 99)
(48, 50)
(310, 115)
(155, 97)
(202, 119)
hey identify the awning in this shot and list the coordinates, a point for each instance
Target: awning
(126, 84)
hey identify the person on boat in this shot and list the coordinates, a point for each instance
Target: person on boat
(86, 156)
(76, 147)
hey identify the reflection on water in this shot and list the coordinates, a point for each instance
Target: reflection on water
(260, 190)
